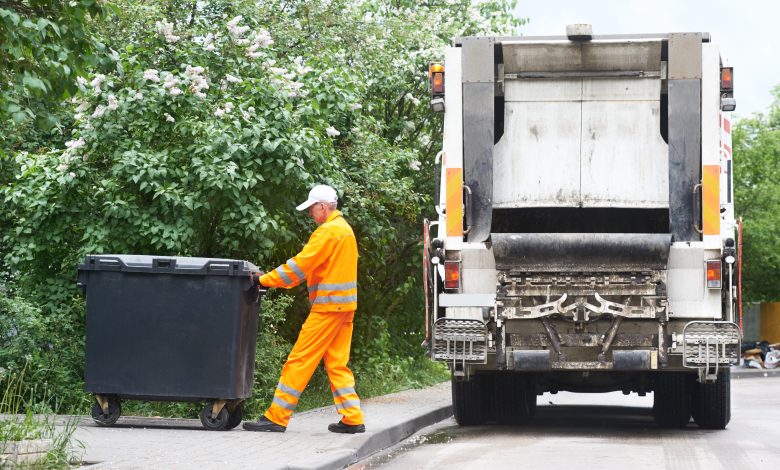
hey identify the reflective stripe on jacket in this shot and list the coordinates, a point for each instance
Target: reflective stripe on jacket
(328, 264)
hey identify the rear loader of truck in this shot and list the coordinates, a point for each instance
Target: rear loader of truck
(585, 238)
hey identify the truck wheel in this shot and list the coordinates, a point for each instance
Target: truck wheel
(672, 399)
(530, 395)
(510, 399)
(107, 419)
(467, 403)
(712, 402)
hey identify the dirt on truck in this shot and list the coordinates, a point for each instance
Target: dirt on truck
(585, 238)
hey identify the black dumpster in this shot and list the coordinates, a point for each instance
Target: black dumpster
(170, 329)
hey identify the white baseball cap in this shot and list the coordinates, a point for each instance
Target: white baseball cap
(319, 193)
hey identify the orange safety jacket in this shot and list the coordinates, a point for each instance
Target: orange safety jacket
(328, 264)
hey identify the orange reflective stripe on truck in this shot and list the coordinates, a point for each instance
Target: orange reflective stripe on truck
(454, 203)
(710, 199)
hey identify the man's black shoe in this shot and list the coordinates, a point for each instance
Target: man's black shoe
(346, 428)
(264, 425)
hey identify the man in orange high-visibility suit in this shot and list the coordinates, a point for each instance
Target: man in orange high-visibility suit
(328, 264)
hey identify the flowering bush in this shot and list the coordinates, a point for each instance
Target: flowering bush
(216, 121)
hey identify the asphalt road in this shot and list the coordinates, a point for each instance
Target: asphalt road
(602, 431)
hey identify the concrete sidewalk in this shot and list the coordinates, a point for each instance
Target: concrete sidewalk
(158, 443)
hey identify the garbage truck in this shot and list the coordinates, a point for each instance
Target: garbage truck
(584, 237)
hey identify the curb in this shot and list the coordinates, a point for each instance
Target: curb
(382, 439)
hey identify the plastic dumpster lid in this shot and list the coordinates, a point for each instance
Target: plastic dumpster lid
(167, 264)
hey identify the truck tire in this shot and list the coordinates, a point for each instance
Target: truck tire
(712, 402)
(510, 399)
(531, 399)
(467, 401)
(672, 399)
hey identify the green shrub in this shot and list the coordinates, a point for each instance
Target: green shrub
(49, 346)
(21, 418)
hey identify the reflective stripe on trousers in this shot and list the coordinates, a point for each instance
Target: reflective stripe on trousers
(328, 336)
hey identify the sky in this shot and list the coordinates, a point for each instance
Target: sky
(745, 31)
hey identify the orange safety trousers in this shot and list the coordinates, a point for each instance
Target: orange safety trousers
(325, 335)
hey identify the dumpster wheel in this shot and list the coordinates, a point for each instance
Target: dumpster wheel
(212, 422)
(235, 417)
(106, 416)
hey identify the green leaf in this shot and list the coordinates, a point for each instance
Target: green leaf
(19, 117)
(33, 83)
(11, 16)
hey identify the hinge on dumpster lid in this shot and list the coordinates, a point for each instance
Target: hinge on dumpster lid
(460, 341)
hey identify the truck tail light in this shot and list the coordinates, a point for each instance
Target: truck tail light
(726, 79)
(452, 274)
(714, 274)
(436, 73)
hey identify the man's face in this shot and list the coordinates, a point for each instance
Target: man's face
(318, 212)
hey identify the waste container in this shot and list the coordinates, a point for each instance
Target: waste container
(170, 329)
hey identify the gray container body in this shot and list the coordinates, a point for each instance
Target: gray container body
(169, 328)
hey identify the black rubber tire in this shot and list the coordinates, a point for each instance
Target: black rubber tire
(510, 399)
(530, 396)
(672, 399)
(712, 402)
(114, 411)
(218, 423)
(235, 417)
(467, 401)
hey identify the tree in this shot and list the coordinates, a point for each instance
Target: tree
(757, 196)
(216, 120)
(44, 46)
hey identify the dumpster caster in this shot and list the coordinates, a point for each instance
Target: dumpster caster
(235, 417)
(106, 410)
(212, 422)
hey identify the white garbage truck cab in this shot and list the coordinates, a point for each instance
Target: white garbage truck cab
(585, 238)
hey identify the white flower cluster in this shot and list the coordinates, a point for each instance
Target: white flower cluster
(237, 32)
(152, 75)
(301, 69)
(208, 43)
(226, 109)
(74, 144)
(415, 165)
(166, 29)
(113, 104)
(198, 82)
(96, 82)
(169, 118)
(285, 80)
(83, 106)
(332, 132)
(250, 111)
(82, 82)
(170, 82)
(259, 39)
(100, 110)
(69, 155)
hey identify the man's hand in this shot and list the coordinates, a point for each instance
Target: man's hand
(254, 279)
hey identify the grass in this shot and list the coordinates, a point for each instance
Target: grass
(20, 420)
